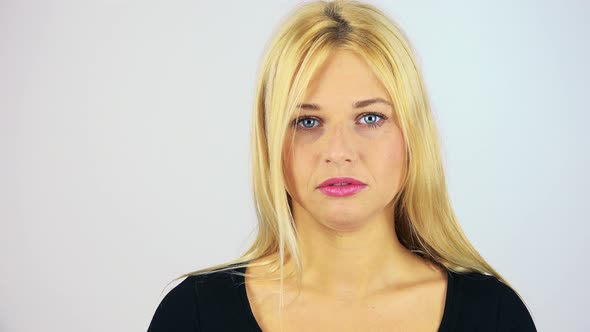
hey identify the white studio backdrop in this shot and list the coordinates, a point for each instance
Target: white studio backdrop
(124, 137)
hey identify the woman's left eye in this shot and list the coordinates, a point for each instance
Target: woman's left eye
(372, 120)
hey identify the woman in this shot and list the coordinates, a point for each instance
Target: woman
(356, 232)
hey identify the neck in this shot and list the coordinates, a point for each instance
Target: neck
(352, 263)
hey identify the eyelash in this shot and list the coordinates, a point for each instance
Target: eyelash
(295, 122)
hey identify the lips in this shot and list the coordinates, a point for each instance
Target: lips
(340, 181)
(341, 187)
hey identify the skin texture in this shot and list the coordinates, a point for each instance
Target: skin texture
(356, 274)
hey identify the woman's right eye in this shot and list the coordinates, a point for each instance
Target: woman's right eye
(307, 123)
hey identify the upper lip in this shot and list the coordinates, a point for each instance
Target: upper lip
(332, 181)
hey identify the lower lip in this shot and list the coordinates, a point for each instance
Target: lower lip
(341, 191)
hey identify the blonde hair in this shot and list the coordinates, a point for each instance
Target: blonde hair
(424, 219)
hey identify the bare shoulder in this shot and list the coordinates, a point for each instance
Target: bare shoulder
(414, 303)
(263, 281)
(427, 273)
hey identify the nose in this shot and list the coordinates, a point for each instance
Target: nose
(339, 145)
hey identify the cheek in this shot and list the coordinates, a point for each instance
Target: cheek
(288, 169)
(395, 153)
(294, 169)
(298, 165)
(389, 158)
(301, 164)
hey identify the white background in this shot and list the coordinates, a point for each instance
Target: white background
(124, 137)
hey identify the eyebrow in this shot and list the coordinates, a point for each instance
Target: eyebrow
(356, 104)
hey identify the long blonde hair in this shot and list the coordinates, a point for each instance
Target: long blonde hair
(424, 219)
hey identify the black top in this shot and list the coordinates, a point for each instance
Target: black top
(218, 302)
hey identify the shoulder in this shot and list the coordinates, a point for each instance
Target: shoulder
(474, 287)
(184, 306)
(483, 299)
(178, 310)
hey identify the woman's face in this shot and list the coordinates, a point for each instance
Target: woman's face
(333, 138)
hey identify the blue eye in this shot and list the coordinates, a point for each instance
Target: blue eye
(307, 122)
(372, 121)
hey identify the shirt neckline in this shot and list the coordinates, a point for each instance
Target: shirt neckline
(443, 326)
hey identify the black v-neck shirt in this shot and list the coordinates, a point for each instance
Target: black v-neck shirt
(218, 302)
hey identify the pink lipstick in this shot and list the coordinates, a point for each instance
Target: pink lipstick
(341, 187)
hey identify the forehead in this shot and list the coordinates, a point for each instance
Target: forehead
(344, 76)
